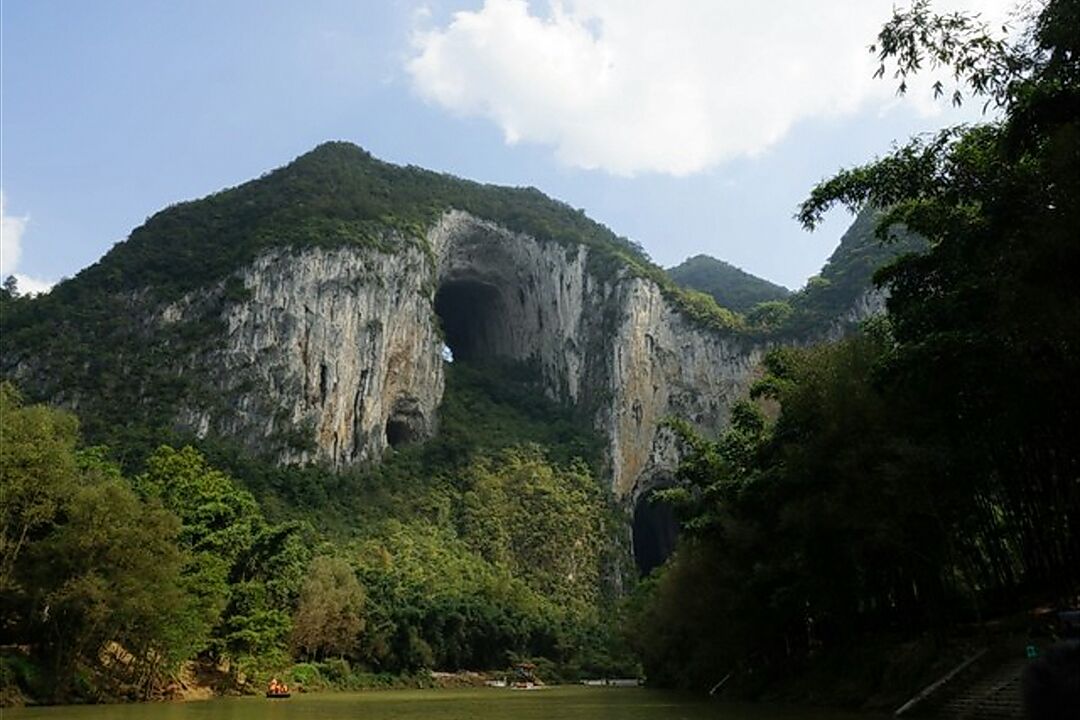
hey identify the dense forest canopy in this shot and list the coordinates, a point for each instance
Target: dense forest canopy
(922, 474)
(497, 541)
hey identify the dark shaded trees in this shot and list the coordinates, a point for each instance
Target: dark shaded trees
(926, 471)
(987, 321)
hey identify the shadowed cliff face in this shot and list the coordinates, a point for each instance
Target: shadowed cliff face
(343, 347)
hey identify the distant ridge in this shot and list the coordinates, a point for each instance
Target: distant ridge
(730, 286)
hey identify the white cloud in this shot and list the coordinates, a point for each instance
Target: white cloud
(11, 236)
(32, 286)
(671, 87)
(11, 230)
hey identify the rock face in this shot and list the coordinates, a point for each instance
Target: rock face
(335, 346)
(335, 354)
(869, 303)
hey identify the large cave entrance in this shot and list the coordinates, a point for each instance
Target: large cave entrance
(655, 530)
(474, 320)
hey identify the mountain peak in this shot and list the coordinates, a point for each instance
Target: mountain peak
(730, 286)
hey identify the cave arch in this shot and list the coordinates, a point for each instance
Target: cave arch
(475, 319)
(654, 531)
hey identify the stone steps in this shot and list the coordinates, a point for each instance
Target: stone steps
(996, 696)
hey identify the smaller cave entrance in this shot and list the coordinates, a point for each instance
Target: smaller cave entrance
(406, 423)
(655, 531)
(474, 320)
(399, 432)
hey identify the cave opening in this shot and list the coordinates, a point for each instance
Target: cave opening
(398, 433)
(406, 423)
(654, 533)
(474, 320)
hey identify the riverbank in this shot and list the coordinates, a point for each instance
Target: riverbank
(873, 677)
(203, 680)
(879, 674)
(567, 702)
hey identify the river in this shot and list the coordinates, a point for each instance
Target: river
(559, 703)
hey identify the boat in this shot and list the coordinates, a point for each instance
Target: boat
(276, 690)
(524, 677)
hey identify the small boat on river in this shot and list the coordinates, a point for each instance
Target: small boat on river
(277, 690)
(525, 677)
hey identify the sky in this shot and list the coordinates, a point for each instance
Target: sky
(689, 126)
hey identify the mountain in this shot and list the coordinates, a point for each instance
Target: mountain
(302, 317)
(843, 294)
(730, 286)
(832, 303)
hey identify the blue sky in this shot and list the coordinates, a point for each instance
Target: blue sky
(693, 126)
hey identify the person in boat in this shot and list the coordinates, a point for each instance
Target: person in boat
(277, 688)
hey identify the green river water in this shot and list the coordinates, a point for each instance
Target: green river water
(561, 703)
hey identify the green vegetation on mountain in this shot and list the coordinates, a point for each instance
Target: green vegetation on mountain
(920, 476)
(85, 349)
(769, 309)
(848, 273)
(336, 195)
(728, 285)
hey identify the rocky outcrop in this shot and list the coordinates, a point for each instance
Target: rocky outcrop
(868, 304)
(662, 365)
(334, 354)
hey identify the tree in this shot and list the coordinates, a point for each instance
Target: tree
(542, 521)
(37, 474)
(218, 517)
(245, 572)
(108, 591)
(924, 471)
(90, 572)
(769, 315)
(987, 321)
(329, 618)
(809, 530)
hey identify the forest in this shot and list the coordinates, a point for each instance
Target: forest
(497, 542)
(920, 476)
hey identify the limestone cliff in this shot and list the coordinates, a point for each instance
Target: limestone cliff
(869, 303)
(347, 345)
(334, 346)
